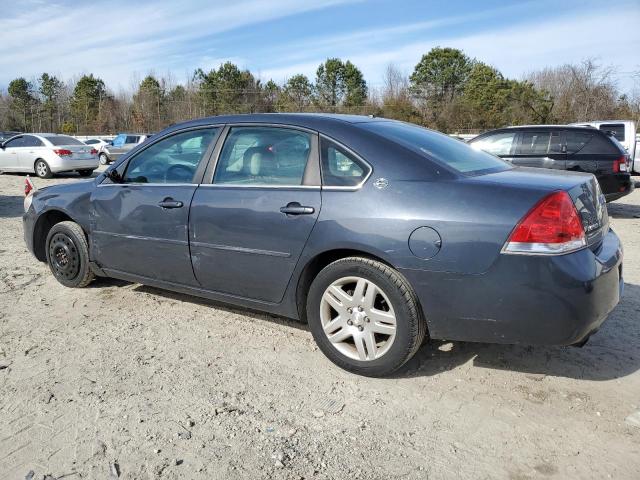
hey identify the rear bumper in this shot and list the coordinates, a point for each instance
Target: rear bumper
(557, 300)
(616, 185)
(71, 165)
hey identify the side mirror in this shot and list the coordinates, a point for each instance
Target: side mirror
(114, 176)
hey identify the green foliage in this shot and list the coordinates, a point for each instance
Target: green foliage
(86, 100)
(296, 94)
(50, 90)
(227, 89)
(340, 84)
(22, 103)
(441, 73)
(69, 128)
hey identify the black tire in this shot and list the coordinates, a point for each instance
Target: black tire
(411, 326)
(103, 159)
(68, 255)
(42, 169)
(85, 173)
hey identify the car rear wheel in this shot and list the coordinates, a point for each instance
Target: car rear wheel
(68, 255)
(364, 316)
(85, 173)
(103, 159)
(42, 169)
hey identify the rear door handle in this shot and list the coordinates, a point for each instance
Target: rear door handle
(294, 208)
(170, 203)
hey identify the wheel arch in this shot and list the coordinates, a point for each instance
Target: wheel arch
(316, 263)
(42, 227)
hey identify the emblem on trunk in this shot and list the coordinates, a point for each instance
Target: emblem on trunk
(381, 183)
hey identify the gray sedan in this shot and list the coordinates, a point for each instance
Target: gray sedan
(47, 153)
(377, 233)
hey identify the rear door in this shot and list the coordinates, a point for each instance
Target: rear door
(249, 225)
(32, 149)
(140, 225)
(540, 148)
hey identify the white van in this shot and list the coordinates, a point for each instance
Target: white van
(623, 130)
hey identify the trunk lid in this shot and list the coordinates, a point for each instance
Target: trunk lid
(78, 152)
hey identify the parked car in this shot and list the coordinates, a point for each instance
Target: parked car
(561, 147)
(119, 146)
(624, 131)
(97, 143)
(46, 154)
(4, 136)
(376, 232)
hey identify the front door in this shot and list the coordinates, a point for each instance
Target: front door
(10, 153)
(249, 226)
(141, 222)
(542, 149)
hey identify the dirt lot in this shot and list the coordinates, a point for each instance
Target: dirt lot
(122, 380)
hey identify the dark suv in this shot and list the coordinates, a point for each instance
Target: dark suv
(579, 149)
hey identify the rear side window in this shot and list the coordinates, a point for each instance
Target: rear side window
(340, 168)
(437, 147)
(263, 156)
(616, 129)
(31, 141)
(591, 143)
(498, 144)
(132, 139)
(63, 140)
(533, 143)
(91, 142)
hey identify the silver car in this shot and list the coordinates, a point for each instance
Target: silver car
(47, 153)
(120, 145)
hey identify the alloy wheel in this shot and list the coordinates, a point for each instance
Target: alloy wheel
(41, 169)
(358, 318)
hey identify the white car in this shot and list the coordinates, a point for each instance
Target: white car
(623, 130)
(97, 143)
(47, 153)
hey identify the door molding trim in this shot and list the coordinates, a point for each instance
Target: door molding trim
(141, 237)
(253, 251)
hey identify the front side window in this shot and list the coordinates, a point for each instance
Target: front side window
(340, 168)
(263, 156)
(534, 143)
(499, 144)
(15, 142)
(171, 160)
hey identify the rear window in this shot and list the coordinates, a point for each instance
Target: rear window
(438, 147)
(616, 129)
(599, 144)
(59, 140)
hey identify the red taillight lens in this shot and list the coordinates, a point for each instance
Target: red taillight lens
(94, 151)
(620, 165)
(551, 227)
(63, 152)
(28, 186)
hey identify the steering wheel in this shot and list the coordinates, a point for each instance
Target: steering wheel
(178, 173)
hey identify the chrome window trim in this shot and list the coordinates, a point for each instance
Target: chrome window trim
(147, 185)
(265, 186)
(351, 188)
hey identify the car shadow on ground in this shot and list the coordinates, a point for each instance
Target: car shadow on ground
(623, 210)
(613, 352)
(11, 206)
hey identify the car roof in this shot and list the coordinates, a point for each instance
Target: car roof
(555, 127)
(309, 120)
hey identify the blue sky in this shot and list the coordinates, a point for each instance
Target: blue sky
(121, 41)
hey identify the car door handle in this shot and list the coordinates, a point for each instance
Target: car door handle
(170, 203)
(294, 208)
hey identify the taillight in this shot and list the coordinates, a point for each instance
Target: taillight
(63, 152)
(94, 151)
(620, 165)
(551, 227)
(28, 186)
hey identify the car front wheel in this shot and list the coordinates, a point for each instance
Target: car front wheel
(68, 255)
(364, 316)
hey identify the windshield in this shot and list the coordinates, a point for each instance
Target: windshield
(63, 140)
(438, 147)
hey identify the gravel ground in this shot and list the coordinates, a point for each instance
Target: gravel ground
(119, 380)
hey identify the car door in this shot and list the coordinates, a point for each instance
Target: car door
(140, 221)
(249, 225)
(9, 154)
(119, 146)
(541, 149)
(32, 149)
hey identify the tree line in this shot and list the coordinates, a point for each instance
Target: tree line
(447, 90)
